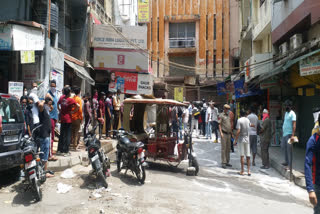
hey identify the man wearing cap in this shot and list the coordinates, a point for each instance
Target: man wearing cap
(225, 133)
(288, 129)
(265, 135)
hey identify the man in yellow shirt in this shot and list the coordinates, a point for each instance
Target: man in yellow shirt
(76, 119)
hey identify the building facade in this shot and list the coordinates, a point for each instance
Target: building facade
(189, 44)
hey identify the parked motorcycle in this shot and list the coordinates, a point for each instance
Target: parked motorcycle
(131, 155)
(33, 168)
(99, 161)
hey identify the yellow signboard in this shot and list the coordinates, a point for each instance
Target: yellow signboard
(310, 92)
(300, 91)
(178, 94)
(143, 11)
(27, 57)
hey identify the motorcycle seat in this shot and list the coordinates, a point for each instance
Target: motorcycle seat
(135, 144)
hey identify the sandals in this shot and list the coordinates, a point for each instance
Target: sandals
(241, 173)
(52, 158)
(249, 174)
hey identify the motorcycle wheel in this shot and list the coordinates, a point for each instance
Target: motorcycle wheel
(42, 175)
(102, 178)
(141, 174)
(195, 164)
(119, 163)
(37, 190)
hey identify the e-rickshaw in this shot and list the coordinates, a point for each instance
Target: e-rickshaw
(149, 121)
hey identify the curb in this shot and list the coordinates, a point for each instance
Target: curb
(297, 177)
(78, 158)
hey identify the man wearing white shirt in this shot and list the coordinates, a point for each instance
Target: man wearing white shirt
(253, 133)
(208, 122)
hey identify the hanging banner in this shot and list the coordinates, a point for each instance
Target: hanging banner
(57, 59)
(131, 83)
(178, 94)
(221, 87)
(310, 65)
(27, 57)
(143, 11)
(242, 89)
(15, 88)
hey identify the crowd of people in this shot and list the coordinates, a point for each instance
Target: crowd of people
(71, 110)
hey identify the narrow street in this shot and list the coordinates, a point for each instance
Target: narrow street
(166, 190)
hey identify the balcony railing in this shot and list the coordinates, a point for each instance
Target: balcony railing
(182, 42)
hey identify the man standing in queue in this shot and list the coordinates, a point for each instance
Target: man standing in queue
(116, 108)
(225, 133)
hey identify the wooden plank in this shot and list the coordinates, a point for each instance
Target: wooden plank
(161, 29)
(181, 7)
(188, 7)
(149, 35)
(202, 36)
(195, 6)
(219, 38)
(168, 7)
(226, 37)
(210, 37)
(174, 6)
(154, 29)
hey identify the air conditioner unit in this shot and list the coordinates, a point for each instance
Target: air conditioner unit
(295, 41)
(283, 48)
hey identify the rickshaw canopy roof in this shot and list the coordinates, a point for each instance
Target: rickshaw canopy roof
(154, 101)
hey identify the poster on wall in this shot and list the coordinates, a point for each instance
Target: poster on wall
(5, 38)
(15, 88)
(221, 86)
(58, 77)
(143, 11)
(27, 57)
(178, 94)
(131, 83)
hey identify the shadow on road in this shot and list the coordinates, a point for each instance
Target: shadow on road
(24, 195)
(128, 178)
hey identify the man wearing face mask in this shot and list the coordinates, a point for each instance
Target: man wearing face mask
(52, 93)
(288, 129)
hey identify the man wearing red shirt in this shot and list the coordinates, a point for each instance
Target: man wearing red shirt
(65, 106)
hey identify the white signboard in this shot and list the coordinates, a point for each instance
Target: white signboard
(120, 60)
(15, 88)
(104, 36)
(27, 38)
(58, 77)
(145, 84)
(310, 65)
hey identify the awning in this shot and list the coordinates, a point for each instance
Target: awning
(81, 72)
(294, 61)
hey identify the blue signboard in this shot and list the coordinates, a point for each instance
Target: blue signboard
(5, 38)
(221, 87)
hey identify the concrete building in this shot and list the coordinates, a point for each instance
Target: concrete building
(195, 34)
(125, 12)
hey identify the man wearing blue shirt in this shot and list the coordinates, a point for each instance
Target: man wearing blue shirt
(288, 128)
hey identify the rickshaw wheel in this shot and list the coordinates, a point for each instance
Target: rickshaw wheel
(172, 164)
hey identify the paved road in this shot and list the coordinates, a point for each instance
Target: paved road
(167, 190)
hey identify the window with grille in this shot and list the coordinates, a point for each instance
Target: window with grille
(182, 35)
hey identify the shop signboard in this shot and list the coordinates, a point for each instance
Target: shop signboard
(268, 84)
(27, 57)
(27, 38)
(310, 65)
(5, 38)
(105, 36)
(242, 89)
(15, 88)
(178, 94)
(131, 83)
(143, 11)
(120, 59)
